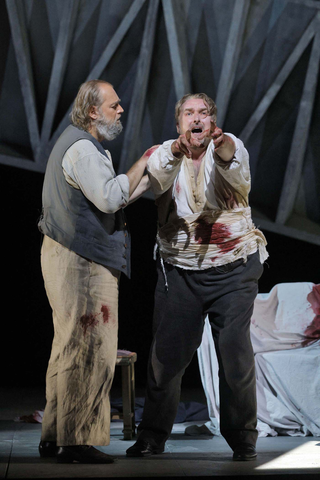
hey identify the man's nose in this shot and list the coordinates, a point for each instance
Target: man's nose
(120, 109)
(196, 117)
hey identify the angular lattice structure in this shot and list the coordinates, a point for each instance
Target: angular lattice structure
(258, 60)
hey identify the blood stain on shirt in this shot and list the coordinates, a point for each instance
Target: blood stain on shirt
(87, 321)
(178, 188)
(228, 246)
(105, 313)
(150, 151)
(312, 332)
(215, 233)
(206, 233)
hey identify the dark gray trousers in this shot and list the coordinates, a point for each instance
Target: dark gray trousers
(227, 295)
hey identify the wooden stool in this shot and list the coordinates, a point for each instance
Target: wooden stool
(126, 361)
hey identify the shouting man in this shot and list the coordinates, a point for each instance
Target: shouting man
(85, 248)
(210, 258)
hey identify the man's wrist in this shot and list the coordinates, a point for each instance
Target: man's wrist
(227, 150)
(175, 151)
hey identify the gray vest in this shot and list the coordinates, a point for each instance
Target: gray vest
(69, 218)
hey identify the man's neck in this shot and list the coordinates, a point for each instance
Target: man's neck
(93, 131)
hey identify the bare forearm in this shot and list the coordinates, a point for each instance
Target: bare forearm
(226, 148)
(135, 174)
(143, 187)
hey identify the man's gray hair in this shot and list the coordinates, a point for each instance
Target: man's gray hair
(89, 95)
(207, 100)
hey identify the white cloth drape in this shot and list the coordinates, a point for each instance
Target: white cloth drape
(285, 337)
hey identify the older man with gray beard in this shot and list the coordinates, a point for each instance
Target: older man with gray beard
(86, 246)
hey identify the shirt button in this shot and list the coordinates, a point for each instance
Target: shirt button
(125, 234)
(124, 266)
(125, 245)
(124, 256)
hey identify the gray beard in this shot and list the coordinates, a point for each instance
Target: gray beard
(108, 130)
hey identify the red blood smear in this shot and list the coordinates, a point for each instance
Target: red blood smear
(178, 188)
(150, 151)
(228, 246)
(215, 233)
(312, 332)
(105, 313)
(206, 233)
(87, 321)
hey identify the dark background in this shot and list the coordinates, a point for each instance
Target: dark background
(26, 315)
(272, 31)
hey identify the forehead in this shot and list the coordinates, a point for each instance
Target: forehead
(108, 93)
(194, 104)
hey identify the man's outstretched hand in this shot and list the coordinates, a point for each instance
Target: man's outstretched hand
(182, 146)
(223, 144)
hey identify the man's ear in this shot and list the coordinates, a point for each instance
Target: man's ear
(178, 128)
(93, 112)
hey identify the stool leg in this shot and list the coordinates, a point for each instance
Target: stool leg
(133, 399)
(127, 402)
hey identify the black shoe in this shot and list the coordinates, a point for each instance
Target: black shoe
(142, 448)
(47, 449)
(244, 452)
(82, 454)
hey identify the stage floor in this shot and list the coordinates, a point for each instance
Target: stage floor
(185, 456)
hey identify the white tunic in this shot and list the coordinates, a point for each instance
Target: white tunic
(204, 222)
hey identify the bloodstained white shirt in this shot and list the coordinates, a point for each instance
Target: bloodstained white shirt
(204, 222)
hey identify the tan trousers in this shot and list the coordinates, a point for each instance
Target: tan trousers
(84, 299)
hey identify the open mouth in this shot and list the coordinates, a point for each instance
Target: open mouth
(196, 130)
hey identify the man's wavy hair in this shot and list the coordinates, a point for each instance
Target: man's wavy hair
(89, 95)
(207, 100)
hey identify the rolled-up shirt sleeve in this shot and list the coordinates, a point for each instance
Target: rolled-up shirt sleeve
(162, 168)
(90, 171)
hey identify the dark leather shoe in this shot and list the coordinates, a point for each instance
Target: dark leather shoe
(142, 448)
(244, 452)
(82, 454)
(47, 449)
